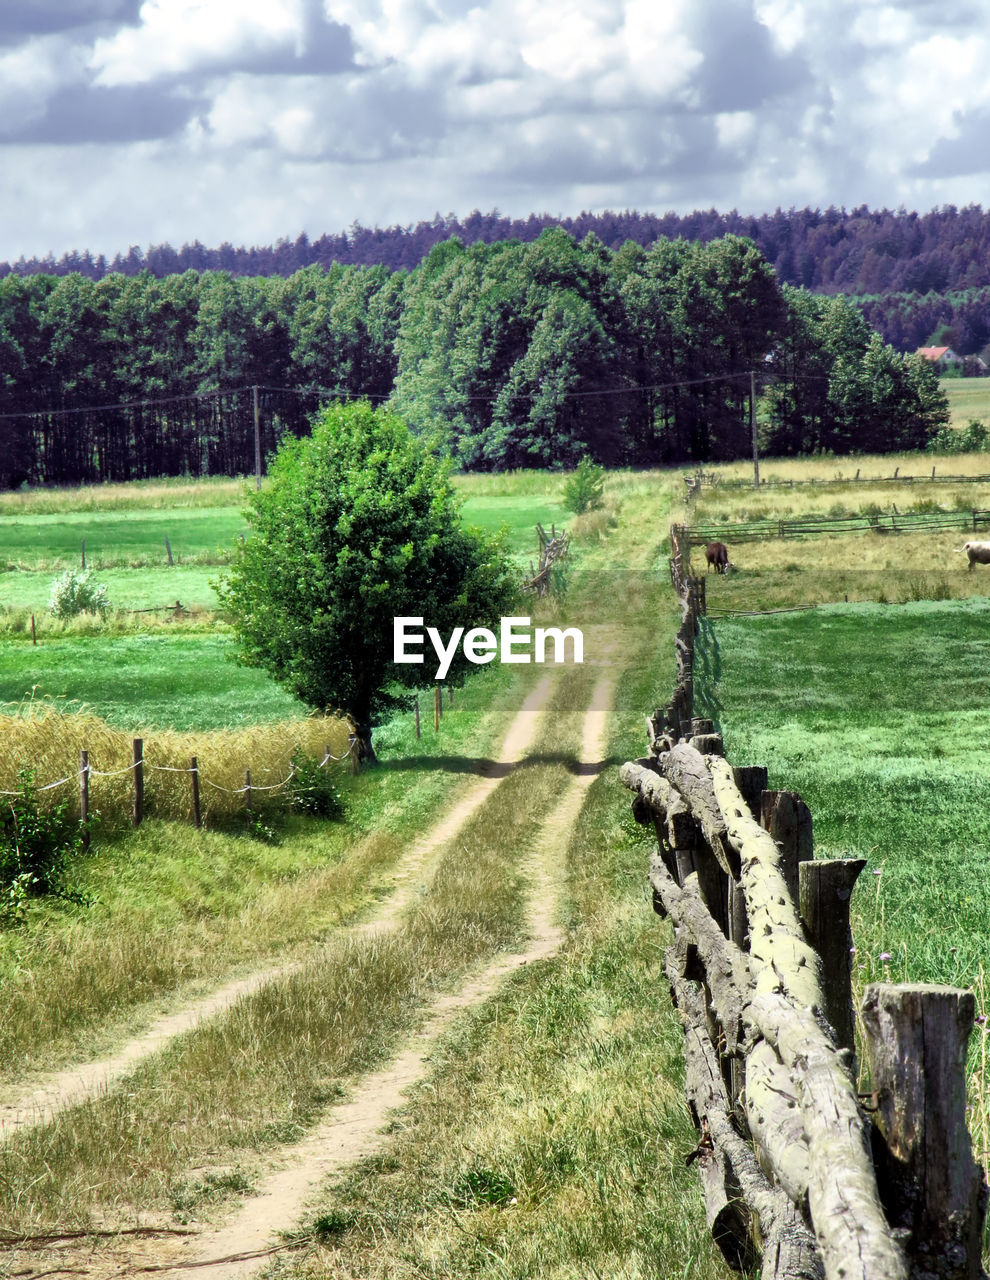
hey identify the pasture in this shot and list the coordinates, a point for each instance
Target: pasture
(183, 681)
(575, 1165)
(125, 527)
(968, 398)
(879, 717)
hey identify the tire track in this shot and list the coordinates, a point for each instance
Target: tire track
(38, 1103)
(353, 1130)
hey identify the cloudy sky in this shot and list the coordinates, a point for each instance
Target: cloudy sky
(141, 121)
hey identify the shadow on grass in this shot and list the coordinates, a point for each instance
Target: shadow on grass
(485, 768)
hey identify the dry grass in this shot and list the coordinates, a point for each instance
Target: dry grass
(259, 1074)
(129, 496)
(838, 500)
(49, 742)
(869, 466)
(596, 525)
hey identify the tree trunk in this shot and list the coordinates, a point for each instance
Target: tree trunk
(360, 714)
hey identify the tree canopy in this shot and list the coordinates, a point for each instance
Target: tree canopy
(358, 524)
(508, 354)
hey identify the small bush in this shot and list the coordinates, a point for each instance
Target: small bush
(974, 437)
(74, 593)
(36, 848)
(584, 488)
(928, 588)
(313, 789)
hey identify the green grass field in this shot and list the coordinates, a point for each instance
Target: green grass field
(120, 538)
(968, 398)
(879, 717)
(165, 681)
(125, 527)
(876, 713)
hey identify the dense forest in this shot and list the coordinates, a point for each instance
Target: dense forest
(937, 263)
(506, 354)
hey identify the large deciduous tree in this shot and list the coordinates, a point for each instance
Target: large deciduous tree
(357, 525)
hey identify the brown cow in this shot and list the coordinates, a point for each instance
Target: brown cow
(717, 554)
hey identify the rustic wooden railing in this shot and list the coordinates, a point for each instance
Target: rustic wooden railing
(799, 1171)
(553, 548)
(712, 480)
(814, 526)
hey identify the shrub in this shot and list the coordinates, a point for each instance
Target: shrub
(584, 488)
(313, 789)
(974, 437)
(36, 849)
(75, 592)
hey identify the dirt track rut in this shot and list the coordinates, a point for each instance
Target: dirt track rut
(38, 1103)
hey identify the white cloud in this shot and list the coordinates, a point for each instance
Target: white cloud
(457, 104)
(175, 37)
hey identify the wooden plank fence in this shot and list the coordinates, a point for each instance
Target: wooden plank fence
(814, 526)
(798, 1171)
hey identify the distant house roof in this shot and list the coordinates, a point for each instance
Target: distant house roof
(936, 354)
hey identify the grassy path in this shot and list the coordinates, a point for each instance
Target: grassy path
(38, 1104)
(353, 1130)
(246, 1082)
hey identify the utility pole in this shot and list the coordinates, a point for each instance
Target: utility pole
(752, 428)
(257, 440)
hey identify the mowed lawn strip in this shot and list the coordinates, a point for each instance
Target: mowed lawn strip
(156, 589)
(258, 1074)
(181, 681)
(113, 537)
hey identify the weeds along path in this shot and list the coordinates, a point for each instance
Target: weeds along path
(354, 1129)
(42, 1099)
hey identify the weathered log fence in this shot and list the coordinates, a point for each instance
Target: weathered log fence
(813, 526)
(553, 548)
(712, 480)
(797, 1169)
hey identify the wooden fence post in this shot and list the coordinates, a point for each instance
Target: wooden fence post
(788, 819)
(826, 889)
(34, 634)
(168, 550)
(138, 781)
(751, 779)
(416, 704)
(916, 1038)
(84, 796)
(197, 812)
(82, 555)
(247, 791)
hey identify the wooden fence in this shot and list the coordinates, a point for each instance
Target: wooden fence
(813, 526)
(798, 1170)
(712, 480)
(553, 548)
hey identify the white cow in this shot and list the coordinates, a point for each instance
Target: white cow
(978, 552)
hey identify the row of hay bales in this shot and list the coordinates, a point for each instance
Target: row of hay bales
(49, 742)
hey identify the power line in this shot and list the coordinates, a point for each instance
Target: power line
(335, 393)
